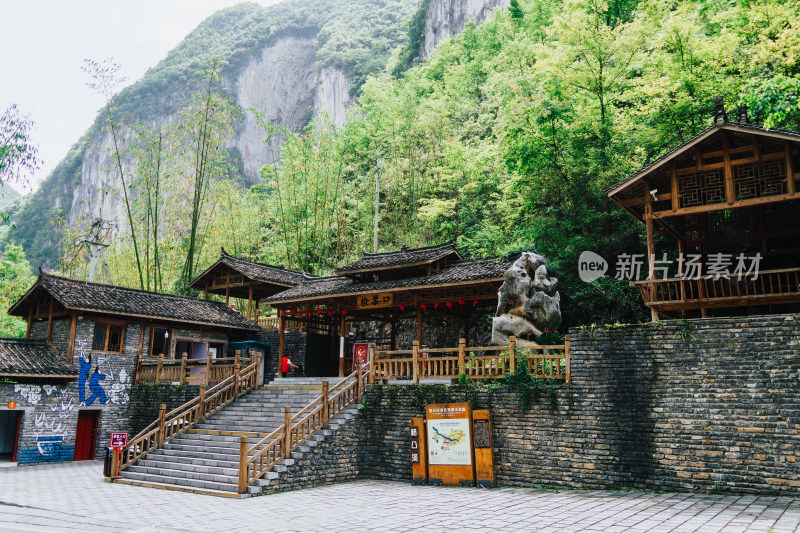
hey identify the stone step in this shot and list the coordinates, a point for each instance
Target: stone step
(170, 486)
(183, 473)
(172, 458)
(181, 481)
(164, 463)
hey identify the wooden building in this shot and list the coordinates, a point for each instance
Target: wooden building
(728, 203)
(405, 284)
(101, 334)
(233, 277)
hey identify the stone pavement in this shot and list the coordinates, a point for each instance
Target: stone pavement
(71, 497)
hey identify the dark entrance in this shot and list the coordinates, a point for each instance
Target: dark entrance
(9, 434)
(86, 435)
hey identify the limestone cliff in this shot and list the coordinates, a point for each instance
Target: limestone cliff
(446, 18)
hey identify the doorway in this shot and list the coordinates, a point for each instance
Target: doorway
(9, 435)
(86, 435)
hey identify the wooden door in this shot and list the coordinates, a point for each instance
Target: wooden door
(86, 435)
(9, 434)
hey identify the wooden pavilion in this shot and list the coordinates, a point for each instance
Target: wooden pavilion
(233, 277)
(405, 284)
(729, 198)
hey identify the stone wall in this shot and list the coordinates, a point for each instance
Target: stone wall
(146, 398)
(297, 345)
(701, 405)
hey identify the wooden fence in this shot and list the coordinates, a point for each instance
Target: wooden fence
(261, 457)
(171, 424)
(308, 325)
(481, 362)
(206, 371)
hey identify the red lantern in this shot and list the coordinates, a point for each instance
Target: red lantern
(423, 306)
(319, 310)
(344, 311)
(330, 313)
(449, 305)
(292, 311)
(461, 302)
(436, 305)
(475, 302)
(402, 307)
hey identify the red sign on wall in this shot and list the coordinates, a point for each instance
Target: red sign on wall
(360, 354)
(119, 439)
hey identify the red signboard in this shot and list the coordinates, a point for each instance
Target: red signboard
(119, 439)
(360, 354)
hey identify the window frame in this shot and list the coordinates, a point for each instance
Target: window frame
(167, 344)
(108, 326)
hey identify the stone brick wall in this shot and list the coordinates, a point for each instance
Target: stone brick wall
(702, 405)
(297, 345)
(146, 398)
(50, 411)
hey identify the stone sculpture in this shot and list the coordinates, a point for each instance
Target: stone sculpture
(527, 302)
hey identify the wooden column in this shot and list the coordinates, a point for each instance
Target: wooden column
(790, 187)
(205, 292)
(30, 323)
(730, 189)
(182, 378)
(50, 322)
(651, 245)
(673, 179)
(71, 348)
(281, 330)
(250, 302)
(227, 296)
(393, 334)
(682, 254)
(244, 475)
(466, 326)
(341, 345)
(415, 361)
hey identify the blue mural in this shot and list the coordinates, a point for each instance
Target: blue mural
(94, 381)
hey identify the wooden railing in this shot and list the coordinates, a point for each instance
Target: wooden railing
(481, 362)
(191, 371)
(770, 286)
(312, 325)
(260, 458)
(171, 424)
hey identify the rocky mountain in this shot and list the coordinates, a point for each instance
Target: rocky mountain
(294, 61)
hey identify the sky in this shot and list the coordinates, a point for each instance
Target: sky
(46, 41)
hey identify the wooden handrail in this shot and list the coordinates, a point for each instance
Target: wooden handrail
(170, 425)
(721, 276)
(265, 454)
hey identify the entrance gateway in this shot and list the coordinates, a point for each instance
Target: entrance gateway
(86, 435)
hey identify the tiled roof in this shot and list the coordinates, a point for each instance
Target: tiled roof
(463, 271)
(742, 126)
(32, 358)
(256, 271)
(399, 258)
(111, 299)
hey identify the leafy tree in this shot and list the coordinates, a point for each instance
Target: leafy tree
(18, 155)
(15, 279)
(514, 10)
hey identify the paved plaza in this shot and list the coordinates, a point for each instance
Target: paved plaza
(72, 497)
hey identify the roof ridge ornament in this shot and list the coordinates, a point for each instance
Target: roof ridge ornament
(720, 115)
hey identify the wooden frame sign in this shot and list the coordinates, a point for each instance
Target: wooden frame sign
(449, 442)
(419, 457)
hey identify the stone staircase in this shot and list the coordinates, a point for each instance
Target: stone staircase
(205, 459)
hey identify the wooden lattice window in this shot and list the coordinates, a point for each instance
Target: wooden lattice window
(108, 337)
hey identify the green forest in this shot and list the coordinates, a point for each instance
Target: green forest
(504, 140)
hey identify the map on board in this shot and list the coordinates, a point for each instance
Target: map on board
(448, 442)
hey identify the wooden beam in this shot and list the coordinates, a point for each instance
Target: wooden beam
(723, 206)
(730, 191)
(641, 200)
(790, 186)
(673, 181)
(49, 337)
(71, 346)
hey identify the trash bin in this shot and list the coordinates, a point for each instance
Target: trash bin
(108, 462)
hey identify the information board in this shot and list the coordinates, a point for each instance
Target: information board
(449, 440)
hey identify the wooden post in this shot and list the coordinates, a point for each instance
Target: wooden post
(50, 322)
(281, 329)
(462, 352)
(341, 345)
(162, 428)
(325, 406)
(287, 432)
(466, 325)
(512, 354)
(158, 369)
(371, 376)
(244, 474)
(393, 335)
(30, 323)
(237, 372)
(201, 411)
(566, 356)
(72, 326)
(651, 245)
(250, 302)
(258, 369)
(208, 368)
(730, 190)
(359, 373)
(415, 361)
(673, 179)
(184, 358)
(790, 185)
